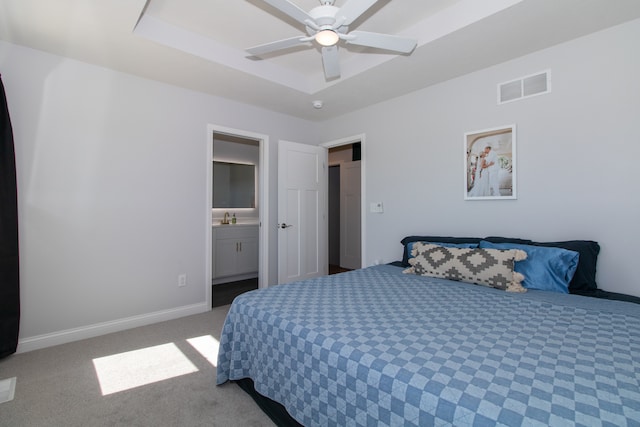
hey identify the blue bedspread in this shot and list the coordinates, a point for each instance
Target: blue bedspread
(378, 347)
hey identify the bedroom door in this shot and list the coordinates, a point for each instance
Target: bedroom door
(302, 211)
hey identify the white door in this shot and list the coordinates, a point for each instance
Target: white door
(302, 211)
(350, 211)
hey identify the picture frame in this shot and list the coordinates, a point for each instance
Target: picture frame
(490, 164)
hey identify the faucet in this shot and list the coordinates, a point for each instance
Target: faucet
(225, 220)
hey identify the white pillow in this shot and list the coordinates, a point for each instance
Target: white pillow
(488, 267)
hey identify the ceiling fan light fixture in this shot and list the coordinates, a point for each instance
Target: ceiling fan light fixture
(325, 26)
(327, 37)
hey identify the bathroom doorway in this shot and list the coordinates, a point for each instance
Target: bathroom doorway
(236, 209)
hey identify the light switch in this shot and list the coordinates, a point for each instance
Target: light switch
(376, 207)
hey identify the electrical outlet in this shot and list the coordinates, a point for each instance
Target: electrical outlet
(182, 280)
(376, 207)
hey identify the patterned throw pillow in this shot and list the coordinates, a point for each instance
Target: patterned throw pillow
(488, 267)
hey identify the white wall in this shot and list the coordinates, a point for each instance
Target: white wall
(112, 192)
(578, 153)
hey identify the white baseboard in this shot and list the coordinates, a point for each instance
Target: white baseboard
(90, 331)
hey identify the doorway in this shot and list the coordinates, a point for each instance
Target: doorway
(303, 207)
(227, 146)
(345, 208)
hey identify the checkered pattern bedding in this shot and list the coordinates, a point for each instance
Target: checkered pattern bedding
(376, 347)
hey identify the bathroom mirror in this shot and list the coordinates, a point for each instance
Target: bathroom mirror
(234, 185)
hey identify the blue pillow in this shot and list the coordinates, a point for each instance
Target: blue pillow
(446, 245)
(546, 268)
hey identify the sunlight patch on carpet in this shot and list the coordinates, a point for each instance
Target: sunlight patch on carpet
(207, 346)
(136, 368)
(7, 389)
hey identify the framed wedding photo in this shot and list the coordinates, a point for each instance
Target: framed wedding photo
(490, 164)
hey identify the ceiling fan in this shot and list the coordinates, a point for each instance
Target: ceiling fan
(327, 25)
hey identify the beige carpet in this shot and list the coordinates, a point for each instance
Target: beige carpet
(157, 375)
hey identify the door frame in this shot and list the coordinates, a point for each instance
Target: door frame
(263, 204)
(363, 212)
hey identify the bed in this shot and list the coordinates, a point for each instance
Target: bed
(379, 346)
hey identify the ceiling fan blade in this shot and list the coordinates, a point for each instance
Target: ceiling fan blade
(352, 10)
(277, 45)
(381, 41)
(331, 62)
(285, 6)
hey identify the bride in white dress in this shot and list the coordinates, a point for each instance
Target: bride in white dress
(481, 187)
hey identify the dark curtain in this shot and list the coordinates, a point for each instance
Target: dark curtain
(9, 271)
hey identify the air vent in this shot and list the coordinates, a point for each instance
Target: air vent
(525, 87)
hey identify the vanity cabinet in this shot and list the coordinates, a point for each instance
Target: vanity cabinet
(235, 251)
